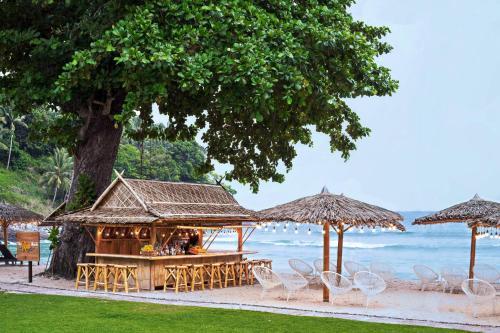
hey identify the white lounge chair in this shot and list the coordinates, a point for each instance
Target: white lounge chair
(318, 265)
(453, 277)
(479, 292)
(353, 267)
(270, 280)
(370, 284)
(336, 284)
(487, 273)
(427, 276)
(383, 270)
(303, 269)
(267, 279)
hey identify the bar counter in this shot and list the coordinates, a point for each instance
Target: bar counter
(151, 269)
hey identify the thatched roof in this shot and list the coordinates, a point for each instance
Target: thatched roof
(13, 214)
(490, 221)
(469, 211)
(146, 201)
(335, 209)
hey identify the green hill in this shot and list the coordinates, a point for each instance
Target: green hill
(21, 188)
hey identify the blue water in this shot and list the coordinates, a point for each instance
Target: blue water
(435, 246)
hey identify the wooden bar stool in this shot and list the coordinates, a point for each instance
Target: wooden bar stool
(267, 263)
(215, 275)
(197, 274)
(176, 278)
(101, 276)
(124, 273)
(86, 272)
(243, 272)
(228, 270)
(207, 273)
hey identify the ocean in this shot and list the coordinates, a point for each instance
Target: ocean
(435, 246)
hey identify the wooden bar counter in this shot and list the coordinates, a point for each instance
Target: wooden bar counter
(151, 268)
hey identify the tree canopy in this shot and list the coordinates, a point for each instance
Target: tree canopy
(252, 77)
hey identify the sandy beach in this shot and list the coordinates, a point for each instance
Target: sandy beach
(401, 303)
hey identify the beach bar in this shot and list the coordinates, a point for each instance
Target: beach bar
(153, 224)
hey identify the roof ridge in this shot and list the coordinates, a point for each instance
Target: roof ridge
(172, 182)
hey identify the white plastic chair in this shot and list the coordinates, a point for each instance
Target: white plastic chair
(270, 280)
(318, 265)
(303, 269)
(427, 276)
(370, 284)
(267, 279)
(385, 271)
(293, 285)
(336, 284)
(479, 292)
(353, 267)
(486, 273)
(453, 277)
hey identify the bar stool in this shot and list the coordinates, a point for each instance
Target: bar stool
(215, 275)
(86, 272)
(229, 273)
(243, 272)
(207, 273)
(123, 273)
(170, 279)
(197, 277)
(101, 276)
(267, 263)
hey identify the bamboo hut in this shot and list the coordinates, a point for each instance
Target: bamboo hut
(166, 216)
(10, 214)
(475, 212)
(336, 211)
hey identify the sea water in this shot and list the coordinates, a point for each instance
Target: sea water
(435, 245)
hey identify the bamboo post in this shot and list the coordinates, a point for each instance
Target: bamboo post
(326, 257)
(240, 239)
(5, 233)
(200, 237)
(340, 233)
(472, 252)
(153, 235)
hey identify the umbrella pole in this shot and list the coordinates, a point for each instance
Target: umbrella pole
(326, 257)
(340, 245)
(472, 252)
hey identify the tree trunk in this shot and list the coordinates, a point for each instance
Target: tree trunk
(94, 157)
(54, 198)
(10, 150)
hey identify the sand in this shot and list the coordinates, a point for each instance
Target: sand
(402, 302)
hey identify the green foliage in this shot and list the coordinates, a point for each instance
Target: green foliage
(58, 176)
(54, 238)
(252, 77)
(21, 188)
(85, 194)
(45, 313)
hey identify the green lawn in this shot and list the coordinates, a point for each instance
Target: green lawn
(38, 313)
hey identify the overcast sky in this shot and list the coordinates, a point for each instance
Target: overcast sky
(436, 141)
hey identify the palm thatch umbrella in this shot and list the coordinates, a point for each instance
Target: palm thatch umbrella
(474, 212)
(339, 212)
(10, 214)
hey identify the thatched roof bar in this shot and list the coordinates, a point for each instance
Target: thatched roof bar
(11, 214)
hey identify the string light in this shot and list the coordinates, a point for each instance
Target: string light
(309, 231)
(274, 229)
(296, 230)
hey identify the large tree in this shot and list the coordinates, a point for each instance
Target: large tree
(255, 77)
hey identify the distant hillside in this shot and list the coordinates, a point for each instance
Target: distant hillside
(21, 188)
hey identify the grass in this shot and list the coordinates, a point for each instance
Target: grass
(22, 188)
(41, 313)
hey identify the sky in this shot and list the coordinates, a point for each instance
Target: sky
(436, 141)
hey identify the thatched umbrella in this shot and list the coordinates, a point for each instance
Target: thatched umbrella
(339, 212)
(472, 212)
(10, 214)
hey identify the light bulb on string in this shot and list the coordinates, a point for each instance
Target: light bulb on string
(323, 231)
(361, 230)
(274, 229)
(296, 231)
(309, 231)
(284, 229)
(265, 228)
